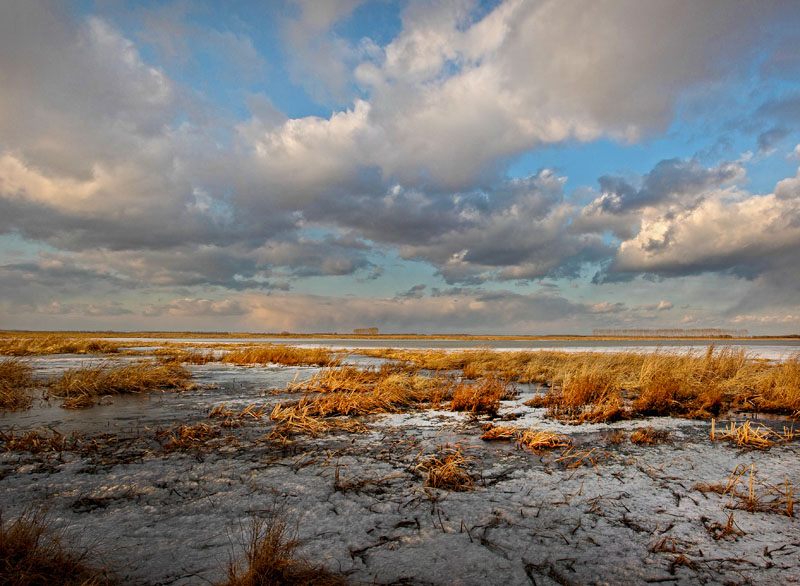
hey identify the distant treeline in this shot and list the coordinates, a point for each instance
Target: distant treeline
(672, 333)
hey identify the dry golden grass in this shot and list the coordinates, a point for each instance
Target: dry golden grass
(482, 396)
(278, 354)
(350, 391)
(447, 469)
(55, 344)
(647, 436)
(592, 387)
(777, 388)
(33, 553)
(753, 436)
(270, 558)
(535, 440)
(179, 356)
(298, 419)
(36, 441)
(15, 380)
(187, 437)
(80, 387)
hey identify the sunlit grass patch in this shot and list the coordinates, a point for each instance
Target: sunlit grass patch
(749, 435)
(80, 387)
(179, 356)
(55, 344)
(15, 380)
(299, 419)
(535, 440)
(482, 396)
(597, 387)
(278, 354)
(647, 436)
(271, 557)
(350, 391)
(32, 553)
(777, 388)
(447, 469)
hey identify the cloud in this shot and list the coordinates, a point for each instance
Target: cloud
(727, 230)
(193, 307)
(673, 184)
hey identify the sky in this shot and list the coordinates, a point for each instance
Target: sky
(454, 166)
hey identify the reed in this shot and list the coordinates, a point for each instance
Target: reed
(271, 558)
(80, 387)
(754, 436)
(55, 344)
(535, 440)
(187, 437)
(32, 552)
(37, 441)
(15, 380)
(447, 469)
(647, 436)
(279, 354)
(482, 397)
(178, 356)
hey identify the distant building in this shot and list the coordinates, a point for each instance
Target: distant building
(366, 331)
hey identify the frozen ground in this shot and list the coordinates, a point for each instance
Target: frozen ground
(622, 514)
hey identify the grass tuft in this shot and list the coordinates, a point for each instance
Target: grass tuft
(15, 380)
(447, 469)
(481, 397)
(533, 439)
(647, 436)
(33, 553)
(80, 387)
(270, 558)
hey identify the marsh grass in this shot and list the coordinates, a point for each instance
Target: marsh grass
(81, 387)
(279, 354)
(535, 440)
(749, 435)
(347, 391)
(598, 387)
(32, 552)
(37, 441)
(187, 437)
(297, 419)
(55, 344)
(179, 356)
(647, 436)
(271, 558)
(447, 469)
(481, 397)
(15, 380)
